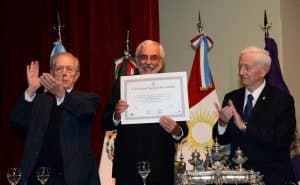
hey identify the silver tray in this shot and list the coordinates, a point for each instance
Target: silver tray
(217, 177)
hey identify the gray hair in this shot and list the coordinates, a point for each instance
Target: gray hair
(147, 43)
(261, 56)
(77, 63)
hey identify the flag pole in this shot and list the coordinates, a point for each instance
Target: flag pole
(125, 65)
(58, 27)
(127, 49)
(266, 27)
(58, 46)
(200, 25)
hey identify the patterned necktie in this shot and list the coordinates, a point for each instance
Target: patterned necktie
(248, 108)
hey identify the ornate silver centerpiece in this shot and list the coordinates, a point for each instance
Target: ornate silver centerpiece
(216, 168)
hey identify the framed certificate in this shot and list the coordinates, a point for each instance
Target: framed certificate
(151, 96)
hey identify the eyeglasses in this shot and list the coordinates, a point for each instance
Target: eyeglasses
(60, 69)
(153, 58)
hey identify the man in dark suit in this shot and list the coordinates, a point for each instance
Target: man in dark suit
(143, 142)
(58, 123)
(263, 126)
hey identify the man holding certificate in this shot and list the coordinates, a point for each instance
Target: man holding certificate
(151, 142)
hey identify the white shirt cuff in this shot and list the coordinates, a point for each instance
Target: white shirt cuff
(27, 98)
(116, 122)
(178, 137)
(59, 101)
(221, 129)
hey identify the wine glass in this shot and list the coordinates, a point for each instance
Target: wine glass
(14, 175)
(143, 169)
(43, 174)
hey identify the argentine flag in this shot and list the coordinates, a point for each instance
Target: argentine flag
(58, 48)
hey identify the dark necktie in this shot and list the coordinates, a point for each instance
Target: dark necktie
(248, 108)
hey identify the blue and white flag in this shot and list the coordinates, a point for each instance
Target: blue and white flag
(202, 99)
(58, 48)
(203, 43)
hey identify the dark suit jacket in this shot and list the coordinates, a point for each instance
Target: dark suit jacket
(270, 130)
(78, 110)
(135, 143)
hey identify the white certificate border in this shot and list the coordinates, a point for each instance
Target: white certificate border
(179, 76)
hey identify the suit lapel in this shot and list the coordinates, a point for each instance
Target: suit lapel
(240, 101)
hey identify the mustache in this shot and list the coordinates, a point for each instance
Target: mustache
(148, 66)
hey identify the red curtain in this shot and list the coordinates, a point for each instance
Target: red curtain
(94, 30)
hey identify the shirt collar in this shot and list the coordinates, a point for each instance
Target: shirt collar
(256, 92)
(69, 90)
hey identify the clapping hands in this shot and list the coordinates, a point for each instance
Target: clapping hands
(33, 78)
(227, 112)
(51, 84)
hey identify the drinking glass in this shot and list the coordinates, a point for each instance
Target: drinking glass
(144, 169)
(13, 175)
(43, 174)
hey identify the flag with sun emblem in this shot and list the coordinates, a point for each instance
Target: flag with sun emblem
(124, 66)
(107, 155)
(202, 97)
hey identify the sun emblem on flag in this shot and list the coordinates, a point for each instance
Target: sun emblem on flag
(200, 130)
(110, 144)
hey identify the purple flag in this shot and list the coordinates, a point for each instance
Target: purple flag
(274, 77)
(295, 154)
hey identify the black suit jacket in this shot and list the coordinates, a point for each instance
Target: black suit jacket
(135, 143)
(78, 110)
(270, 130)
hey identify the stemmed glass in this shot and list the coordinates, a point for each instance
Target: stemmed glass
(14, 175)
(144, 169)
(43, 174)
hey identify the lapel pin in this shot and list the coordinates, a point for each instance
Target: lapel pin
(263, 98)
